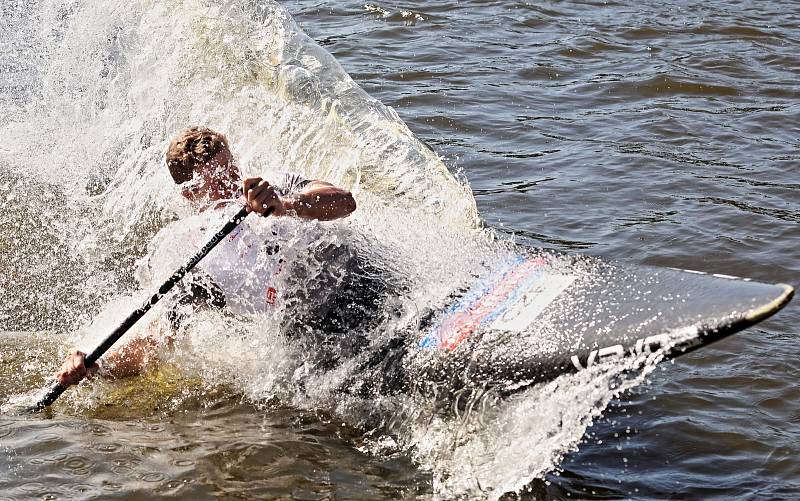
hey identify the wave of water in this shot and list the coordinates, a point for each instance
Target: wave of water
(100, 89)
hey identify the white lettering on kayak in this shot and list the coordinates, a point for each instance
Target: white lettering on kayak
(531, 303)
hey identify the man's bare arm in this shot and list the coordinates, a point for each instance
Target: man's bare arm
(322, 201)
(317, 200)
(130, 360)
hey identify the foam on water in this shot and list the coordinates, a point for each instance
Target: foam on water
(83, 158)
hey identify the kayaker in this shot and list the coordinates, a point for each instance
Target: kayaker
(241, 271)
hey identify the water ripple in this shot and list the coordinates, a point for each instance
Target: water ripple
(784, 214)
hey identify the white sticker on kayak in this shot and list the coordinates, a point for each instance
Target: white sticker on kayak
(532, 303)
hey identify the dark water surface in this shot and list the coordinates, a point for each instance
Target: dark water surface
(652, 133)
(657, 133)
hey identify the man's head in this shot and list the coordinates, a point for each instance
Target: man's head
(202, 156)
(192, 148)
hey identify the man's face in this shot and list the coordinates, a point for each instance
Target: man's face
(217, 179)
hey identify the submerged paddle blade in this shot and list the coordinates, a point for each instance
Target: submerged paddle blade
(25, 403)
(55, 391)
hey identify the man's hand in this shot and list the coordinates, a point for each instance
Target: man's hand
(74, 369)
(259, 196)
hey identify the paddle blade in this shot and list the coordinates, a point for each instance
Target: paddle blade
(52, 394)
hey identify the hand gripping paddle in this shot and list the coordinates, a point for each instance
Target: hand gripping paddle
(57, 389)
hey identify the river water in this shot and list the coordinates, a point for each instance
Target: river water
(650, 133)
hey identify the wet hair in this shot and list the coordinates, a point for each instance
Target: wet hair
(194, 146)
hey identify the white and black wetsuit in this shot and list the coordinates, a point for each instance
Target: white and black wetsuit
(305, 275)
(244, 270)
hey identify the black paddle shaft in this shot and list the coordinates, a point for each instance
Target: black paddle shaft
(176, 277)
